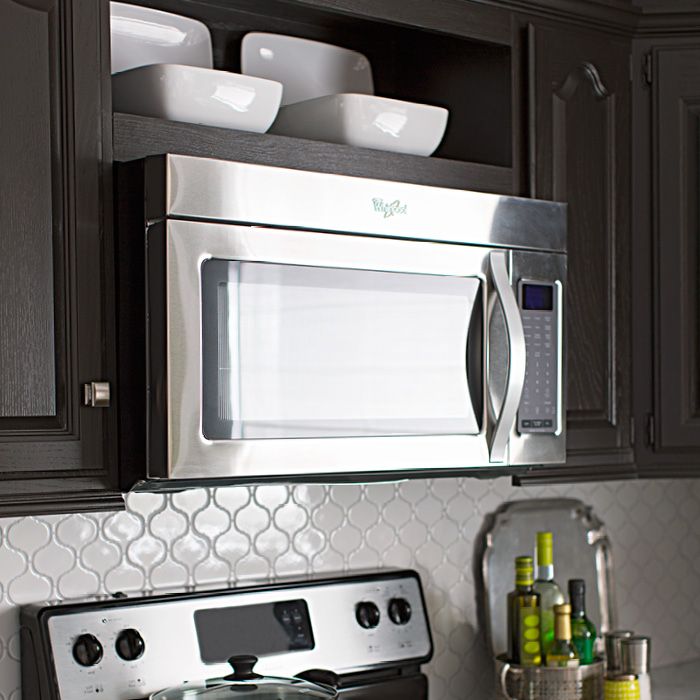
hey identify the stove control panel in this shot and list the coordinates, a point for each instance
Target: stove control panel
(135, 646)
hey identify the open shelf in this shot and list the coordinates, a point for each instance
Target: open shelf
(137, 137)
(427, 52)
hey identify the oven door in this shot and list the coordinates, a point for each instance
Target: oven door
(288, 354)
(411, 685)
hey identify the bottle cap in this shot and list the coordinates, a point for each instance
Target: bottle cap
(562, 621)
(545, 549)
(635, 655)
(613, 661)
(577, 594)
(524, 571)
(577, 586)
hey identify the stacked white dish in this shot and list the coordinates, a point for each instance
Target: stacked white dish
(162, 67)
(329, 96)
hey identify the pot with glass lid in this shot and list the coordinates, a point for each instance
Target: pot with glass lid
(245, 684)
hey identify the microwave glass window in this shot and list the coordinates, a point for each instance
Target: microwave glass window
(296, 351)
(538, 297)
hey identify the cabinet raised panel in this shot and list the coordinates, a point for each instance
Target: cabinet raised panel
(32, 352)
(676, 129)
(579, 100)
(54, 452)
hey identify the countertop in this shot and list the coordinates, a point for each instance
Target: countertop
(676, 682)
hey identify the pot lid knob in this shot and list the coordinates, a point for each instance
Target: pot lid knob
(243, 668)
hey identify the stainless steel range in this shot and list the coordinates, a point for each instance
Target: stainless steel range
(371, 629)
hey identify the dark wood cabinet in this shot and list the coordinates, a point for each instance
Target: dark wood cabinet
(540, 97)
(579, 96)
(668, 137)
(53, 320)
(677, 167)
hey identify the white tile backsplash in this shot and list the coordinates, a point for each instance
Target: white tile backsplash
(221, 535)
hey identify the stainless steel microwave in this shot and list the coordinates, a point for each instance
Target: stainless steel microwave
(305, 326)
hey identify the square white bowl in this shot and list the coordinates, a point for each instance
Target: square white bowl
(306, 68)
(198, 96)
(366, 121)
(142, 36)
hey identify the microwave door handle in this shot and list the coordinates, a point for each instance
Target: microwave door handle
(516, 356)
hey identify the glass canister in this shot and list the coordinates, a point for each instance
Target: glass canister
(636, 659)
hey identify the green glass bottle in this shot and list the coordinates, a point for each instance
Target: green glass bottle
(583, 633)
(562, 653)
(524, 617)
(546, 586)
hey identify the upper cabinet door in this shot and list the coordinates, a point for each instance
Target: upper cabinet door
(676, 168)
(579, 154)
(52, 330)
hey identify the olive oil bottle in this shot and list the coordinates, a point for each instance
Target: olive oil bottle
(583, 632)
(562, 653)
(546, 586)
(524, 617)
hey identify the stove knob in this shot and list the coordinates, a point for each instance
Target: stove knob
(87, 650)
(399, 611)
(130, 645)
(367, 615)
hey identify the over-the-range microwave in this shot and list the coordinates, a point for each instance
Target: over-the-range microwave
(286, 325)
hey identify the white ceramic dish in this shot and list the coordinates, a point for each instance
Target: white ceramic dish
(366, 121)
(307, 69)
(197, 95)
(141, 36)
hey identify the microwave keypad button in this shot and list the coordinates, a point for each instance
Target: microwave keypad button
(538, 409)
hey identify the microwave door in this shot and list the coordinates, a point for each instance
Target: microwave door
(292, 354)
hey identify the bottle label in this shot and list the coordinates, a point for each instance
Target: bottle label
(618, 689)
(562, 663)
(584, 647)
(547, 629)
(529, 636)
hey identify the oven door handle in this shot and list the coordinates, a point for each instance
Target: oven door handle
(516, 356)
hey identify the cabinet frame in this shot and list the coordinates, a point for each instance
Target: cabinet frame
(63, 460)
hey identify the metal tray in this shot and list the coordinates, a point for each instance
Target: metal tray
(540, 683)
(581, 550)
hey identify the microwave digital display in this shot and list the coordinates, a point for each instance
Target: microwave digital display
(538, 297)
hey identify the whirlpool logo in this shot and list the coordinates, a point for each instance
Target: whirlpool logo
(388, 209)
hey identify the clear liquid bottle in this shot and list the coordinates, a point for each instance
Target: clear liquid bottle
(524, 617)
(562, 653)
(546, 586)
(583, 633)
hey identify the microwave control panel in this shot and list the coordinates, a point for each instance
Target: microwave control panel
(540, 400)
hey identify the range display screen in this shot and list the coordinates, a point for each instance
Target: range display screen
(270, 628)
(538, 297)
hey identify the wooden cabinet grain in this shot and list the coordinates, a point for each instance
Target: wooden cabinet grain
(580, 154)
(54, 335)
